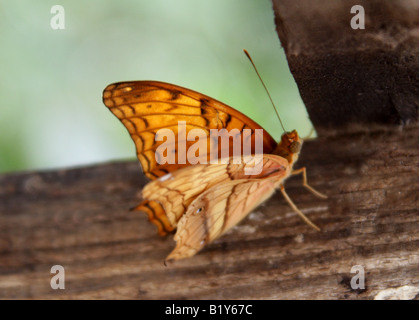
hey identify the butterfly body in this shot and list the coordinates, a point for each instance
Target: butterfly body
(205, 200)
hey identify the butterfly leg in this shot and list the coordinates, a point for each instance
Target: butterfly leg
(306, 185)
(294, 207)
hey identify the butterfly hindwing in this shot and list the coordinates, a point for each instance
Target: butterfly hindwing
(166, 199)
(223, 206)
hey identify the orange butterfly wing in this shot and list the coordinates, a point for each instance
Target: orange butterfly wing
(144, 107)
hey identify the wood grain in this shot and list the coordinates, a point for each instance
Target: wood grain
(80, 219)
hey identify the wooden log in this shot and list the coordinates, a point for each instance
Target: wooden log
(80, 219)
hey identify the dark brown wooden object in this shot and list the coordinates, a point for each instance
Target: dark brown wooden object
(350, 77)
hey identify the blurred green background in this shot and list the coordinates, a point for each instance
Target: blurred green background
(51, 111)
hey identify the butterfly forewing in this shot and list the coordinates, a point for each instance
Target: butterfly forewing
(145, 107)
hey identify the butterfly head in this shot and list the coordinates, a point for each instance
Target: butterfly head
(289, 147)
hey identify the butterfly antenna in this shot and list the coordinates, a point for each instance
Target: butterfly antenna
(266, 89)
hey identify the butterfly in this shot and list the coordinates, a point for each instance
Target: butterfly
(203, 200)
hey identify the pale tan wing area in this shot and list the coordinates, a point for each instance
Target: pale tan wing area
(177, 190)
(216, 211)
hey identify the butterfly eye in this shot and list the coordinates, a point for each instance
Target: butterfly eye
(199, 210)
(295, 147)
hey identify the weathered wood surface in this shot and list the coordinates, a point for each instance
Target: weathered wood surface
(79, 219)
(348, 76)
